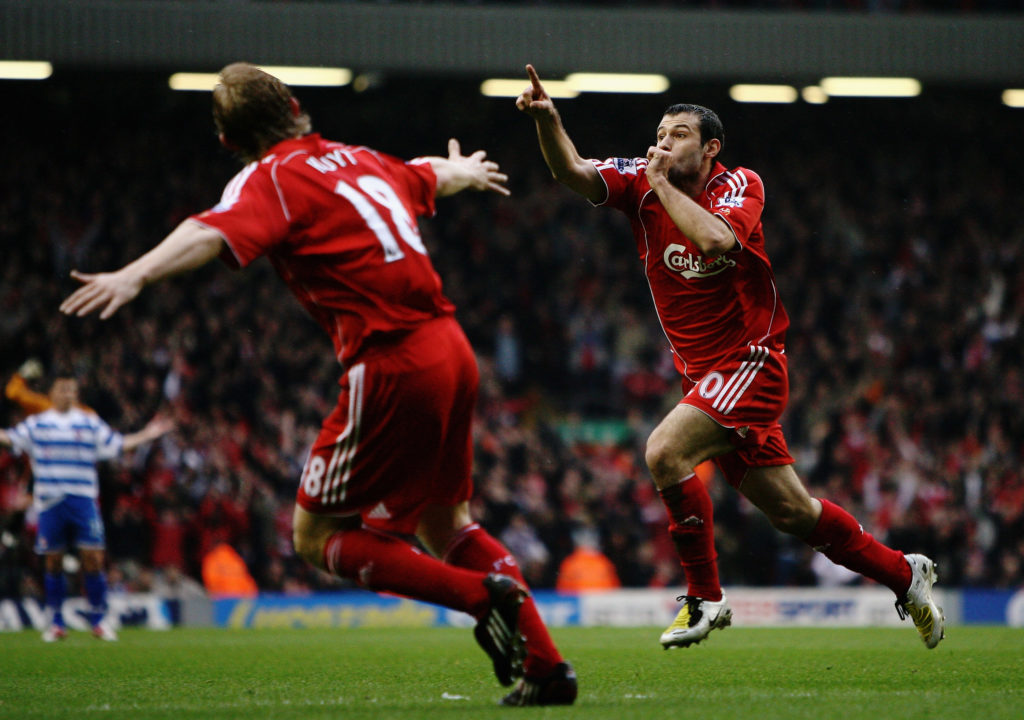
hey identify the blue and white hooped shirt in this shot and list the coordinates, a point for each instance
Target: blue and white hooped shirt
(64, 449)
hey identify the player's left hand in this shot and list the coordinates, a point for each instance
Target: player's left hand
(159, 425)
(534, 100)
(108, 291)
(484, 174)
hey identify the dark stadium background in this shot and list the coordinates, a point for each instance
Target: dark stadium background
(893, 225)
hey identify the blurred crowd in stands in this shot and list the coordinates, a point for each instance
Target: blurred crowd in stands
(896, 241)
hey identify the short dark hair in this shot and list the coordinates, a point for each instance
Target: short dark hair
(63, 375)
(253, 110)
(710, 125)
(64, 372)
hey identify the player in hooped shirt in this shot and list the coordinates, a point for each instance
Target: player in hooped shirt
(64, 442)
(338, 222)
(697, 227)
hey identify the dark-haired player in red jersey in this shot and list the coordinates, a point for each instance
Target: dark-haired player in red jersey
(338, 222)
(697, 227)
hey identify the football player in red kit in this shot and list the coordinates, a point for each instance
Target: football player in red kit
(697, 227)
(338, 222)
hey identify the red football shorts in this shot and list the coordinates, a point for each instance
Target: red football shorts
(400, 437)
(746, 394)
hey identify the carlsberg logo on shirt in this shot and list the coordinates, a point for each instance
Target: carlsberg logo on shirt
(684, 262)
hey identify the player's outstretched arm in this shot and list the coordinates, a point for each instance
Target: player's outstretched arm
(565, 163)
(155, 428)
(459, 172)
(187, 247)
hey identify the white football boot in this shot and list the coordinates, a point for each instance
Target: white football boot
(696, 619)
(54, 633)
(919, 604)
(103, 630)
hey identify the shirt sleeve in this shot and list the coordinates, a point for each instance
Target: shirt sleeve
(623, 178)
(738, 198)
(252, 215)
(21, 440)
(417, 179)
(109, 442)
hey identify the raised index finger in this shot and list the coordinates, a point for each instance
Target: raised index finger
(534, 79)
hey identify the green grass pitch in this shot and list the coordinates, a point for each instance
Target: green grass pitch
(420, 674)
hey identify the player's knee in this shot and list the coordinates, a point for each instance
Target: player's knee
(666, 463)
(309, 547)
(54, 563)
(792, 517)
(439, 524)
(92, 561)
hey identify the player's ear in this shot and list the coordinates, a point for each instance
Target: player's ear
(227, 143)
(712, 147)
(293, 102)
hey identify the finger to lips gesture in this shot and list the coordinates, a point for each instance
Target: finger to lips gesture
(657, 160)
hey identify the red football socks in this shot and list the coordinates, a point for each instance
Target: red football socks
(693, 532)
(384, 563)
(843, 541)
(476, 549)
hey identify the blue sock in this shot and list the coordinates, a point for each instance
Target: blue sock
(55, 585)
(96, 594)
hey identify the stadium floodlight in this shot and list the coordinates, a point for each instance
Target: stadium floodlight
(193, 81)
(814, 95)
(617, 82)
(1013, 97)
(504, 87)
(289, 75)
(870, 87)
(310, 76)
(763, 93)
(25, 69)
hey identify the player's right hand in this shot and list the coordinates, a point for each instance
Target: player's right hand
(534, 100)
(659, 161)
(108, 291)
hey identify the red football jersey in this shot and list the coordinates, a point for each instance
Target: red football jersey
(708, 307)
(338, 222)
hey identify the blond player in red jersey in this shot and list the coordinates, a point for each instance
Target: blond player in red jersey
(338, 222)
(697, 227)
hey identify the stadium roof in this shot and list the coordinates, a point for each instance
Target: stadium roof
(697, 45)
